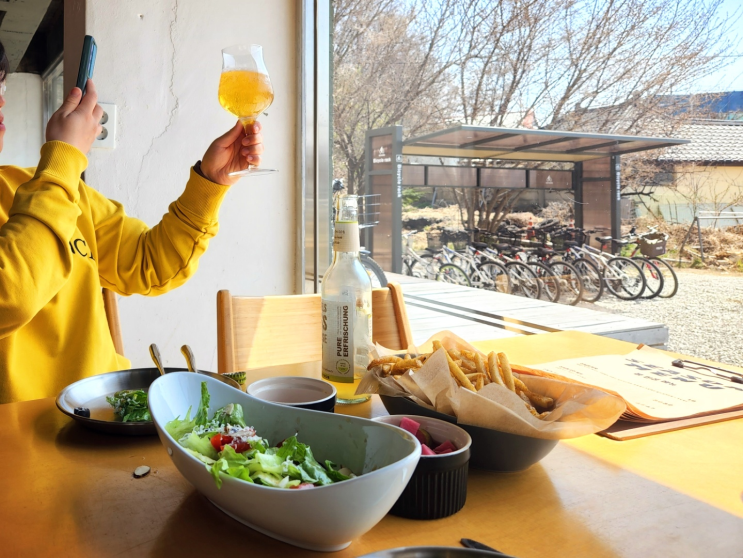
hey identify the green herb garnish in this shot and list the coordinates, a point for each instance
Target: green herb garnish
(130, 405)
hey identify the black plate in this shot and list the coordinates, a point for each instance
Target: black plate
(491, 449)
(91, 393)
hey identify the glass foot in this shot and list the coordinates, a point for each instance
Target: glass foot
(353, 400)
(253, 171)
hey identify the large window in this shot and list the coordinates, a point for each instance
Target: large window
(53, 89)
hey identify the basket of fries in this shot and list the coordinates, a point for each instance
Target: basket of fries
(514, 418)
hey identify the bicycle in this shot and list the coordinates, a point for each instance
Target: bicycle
(524, 280)
(622, 277)
(652, 244)
(569, 278)
(653, 277)
(567, 241)
(429, 266)
(558, 279)
(373, 269)
(493, 277)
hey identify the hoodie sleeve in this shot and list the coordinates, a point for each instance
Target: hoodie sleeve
(136, 259)
(35, 259)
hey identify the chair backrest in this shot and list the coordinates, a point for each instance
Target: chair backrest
(253, 332)
(112, 317)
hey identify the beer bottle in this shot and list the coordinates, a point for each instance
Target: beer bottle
(346, 307)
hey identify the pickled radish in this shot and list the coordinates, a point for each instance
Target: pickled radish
(409, 425)
(444, 447)
(427, 442)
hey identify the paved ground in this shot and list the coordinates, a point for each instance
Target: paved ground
(705, 318)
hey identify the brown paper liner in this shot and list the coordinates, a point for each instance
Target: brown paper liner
(578, 409)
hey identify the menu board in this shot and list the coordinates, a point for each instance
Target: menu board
(652, 387)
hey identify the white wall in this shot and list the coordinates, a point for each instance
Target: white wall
(23, 120)
(159, 62)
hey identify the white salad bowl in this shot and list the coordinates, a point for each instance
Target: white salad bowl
(324, 518)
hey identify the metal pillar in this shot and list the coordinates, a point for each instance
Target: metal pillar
(383, 176)
(578, 194)
(616, 196)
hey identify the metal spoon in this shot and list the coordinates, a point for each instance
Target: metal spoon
(191, 363)
(190, 358)
(155, 354)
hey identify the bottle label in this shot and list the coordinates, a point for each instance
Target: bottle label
(338, 351)
(346, 237)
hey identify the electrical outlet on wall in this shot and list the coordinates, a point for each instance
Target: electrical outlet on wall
(107, 138)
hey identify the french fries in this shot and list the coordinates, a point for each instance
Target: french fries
(383, 360)
(468, 365)
(541, 401)
(479, 382)
(459, 376)
(472, 371)
(505, 369)
(493, 370)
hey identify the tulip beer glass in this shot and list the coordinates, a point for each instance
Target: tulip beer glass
(245, 89)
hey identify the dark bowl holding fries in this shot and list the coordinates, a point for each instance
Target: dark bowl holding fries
(491, 449)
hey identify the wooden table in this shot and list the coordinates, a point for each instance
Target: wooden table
(66, 491)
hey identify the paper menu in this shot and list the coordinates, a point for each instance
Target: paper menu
(651, 386)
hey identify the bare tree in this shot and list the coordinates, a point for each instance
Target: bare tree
(588, 65)
(391, 60)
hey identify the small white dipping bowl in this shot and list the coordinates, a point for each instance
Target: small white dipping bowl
(295, 391)
(324, 518)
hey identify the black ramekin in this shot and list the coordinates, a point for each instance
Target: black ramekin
(438, 488)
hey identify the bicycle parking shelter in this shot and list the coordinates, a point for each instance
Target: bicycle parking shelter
(593, 180)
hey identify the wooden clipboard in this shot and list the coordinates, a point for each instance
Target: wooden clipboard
(626, 430)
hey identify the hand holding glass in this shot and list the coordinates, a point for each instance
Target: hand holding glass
(245, 89)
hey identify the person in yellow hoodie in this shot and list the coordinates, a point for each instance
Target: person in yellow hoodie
(61, 241)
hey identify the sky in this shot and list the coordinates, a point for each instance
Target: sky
(729, 78)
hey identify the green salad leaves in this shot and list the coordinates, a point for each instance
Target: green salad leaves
(130, 405)
(227, 446)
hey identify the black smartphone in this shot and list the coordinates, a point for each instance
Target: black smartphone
(87, 62)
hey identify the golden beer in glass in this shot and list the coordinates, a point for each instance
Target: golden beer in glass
(245, 89)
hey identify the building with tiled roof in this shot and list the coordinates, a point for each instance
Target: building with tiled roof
(712, 141)
(707, 172)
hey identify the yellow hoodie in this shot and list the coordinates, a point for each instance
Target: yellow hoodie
(60, 242)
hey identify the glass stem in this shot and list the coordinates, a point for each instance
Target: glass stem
(247, 121)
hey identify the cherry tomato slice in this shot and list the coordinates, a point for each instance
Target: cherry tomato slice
(219, 441)
(240, 447)
(303, 486)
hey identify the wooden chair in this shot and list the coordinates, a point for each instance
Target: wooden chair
(112, 317)
(253, 332)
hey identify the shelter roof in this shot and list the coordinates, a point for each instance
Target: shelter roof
(521, 144)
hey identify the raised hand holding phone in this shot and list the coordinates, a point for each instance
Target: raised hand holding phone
(78, 120)
(87, 63)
